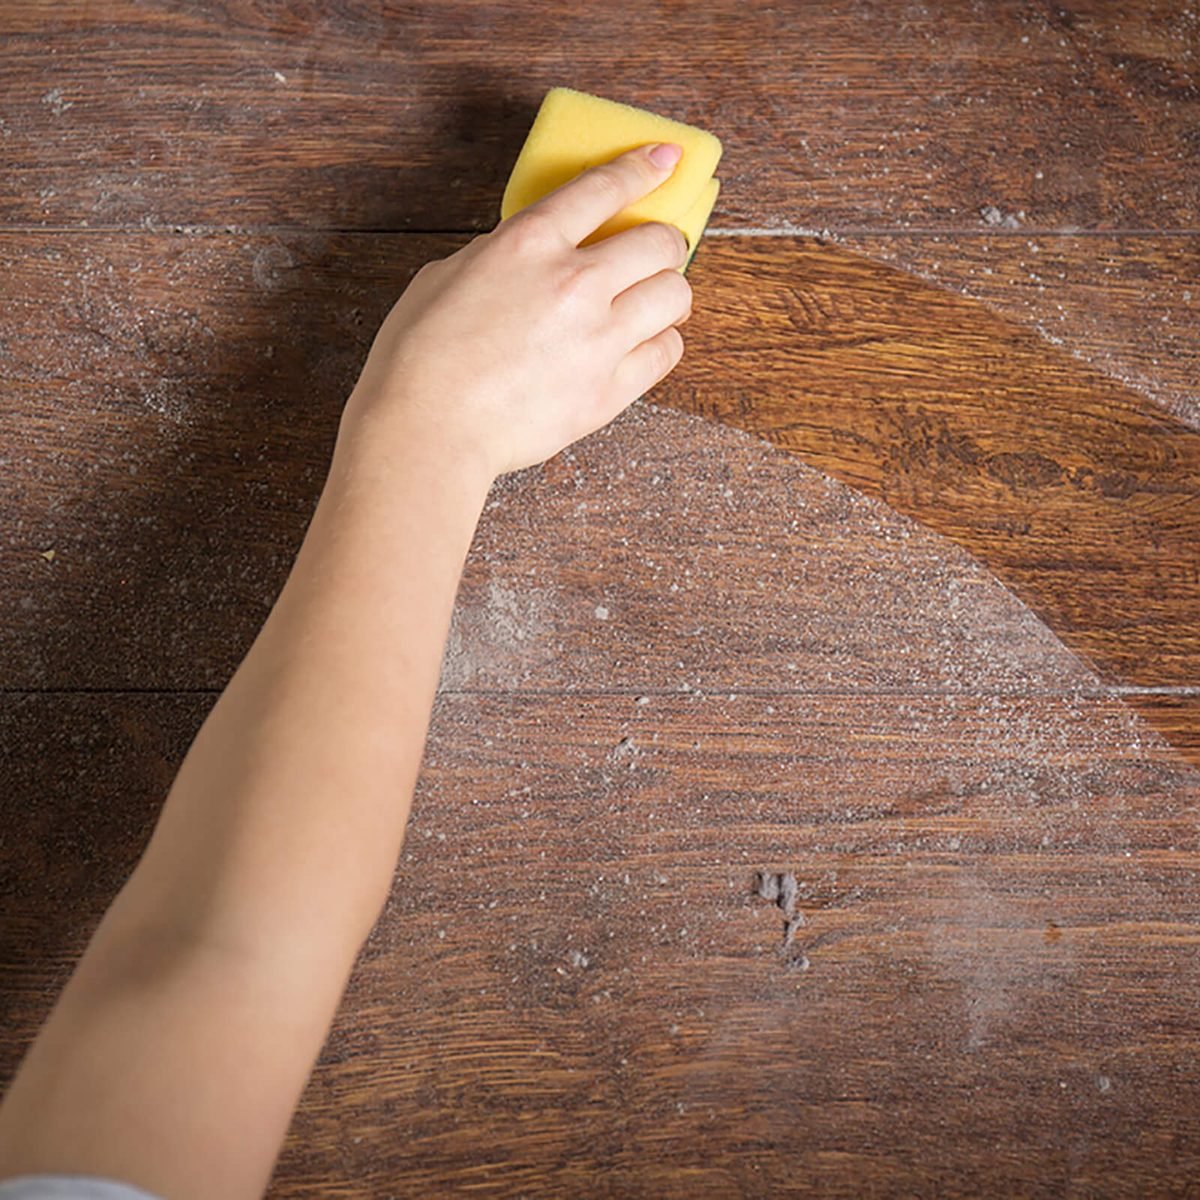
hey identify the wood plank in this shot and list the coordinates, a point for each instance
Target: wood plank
(224, 360)
(994, 990)
(1080, 494)
(372, 115)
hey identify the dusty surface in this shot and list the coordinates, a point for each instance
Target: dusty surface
(766, 842)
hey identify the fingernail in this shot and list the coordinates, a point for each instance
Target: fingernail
(666, 155)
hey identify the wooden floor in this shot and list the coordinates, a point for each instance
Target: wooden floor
(893, 588)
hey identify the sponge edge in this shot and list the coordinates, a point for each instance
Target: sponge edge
(692, 222)
(574, 131)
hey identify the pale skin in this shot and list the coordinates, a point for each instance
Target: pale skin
(178, 1050)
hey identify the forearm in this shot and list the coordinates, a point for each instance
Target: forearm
(287, 815)
(224, 957)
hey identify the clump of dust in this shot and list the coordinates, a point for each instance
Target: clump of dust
(782, 889)
(999, 219)
(56, 102)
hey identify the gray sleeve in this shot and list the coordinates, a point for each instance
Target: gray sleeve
(69, 1187)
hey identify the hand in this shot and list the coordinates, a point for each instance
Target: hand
(524, 341)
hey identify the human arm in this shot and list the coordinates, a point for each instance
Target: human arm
(178, 1050)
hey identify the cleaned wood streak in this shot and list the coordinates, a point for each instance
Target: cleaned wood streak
(378, 115)
(575, 986)
(1129, 306)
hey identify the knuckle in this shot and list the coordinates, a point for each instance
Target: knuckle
(530, 232)
(609, 180)
(667, 350)
(672, 243)
(576, 281)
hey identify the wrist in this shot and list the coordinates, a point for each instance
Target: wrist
(404, 434)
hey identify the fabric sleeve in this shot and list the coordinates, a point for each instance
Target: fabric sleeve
(69, 1187)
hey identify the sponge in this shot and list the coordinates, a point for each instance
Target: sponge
(574, 131)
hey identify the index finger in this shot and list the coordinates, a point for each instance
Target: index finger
(581, 206)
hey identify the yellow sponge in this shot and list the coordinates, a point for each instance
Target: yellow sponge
(574, 131)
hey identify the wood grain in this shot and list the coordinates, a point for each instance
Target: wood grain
(712, 559)
(997, 859)
(575, 986)
(374, 115)
(939, 661)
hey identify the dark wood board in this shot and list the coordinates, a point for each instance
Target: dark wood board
(370, 115)
(575, 987)
(170, 403)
